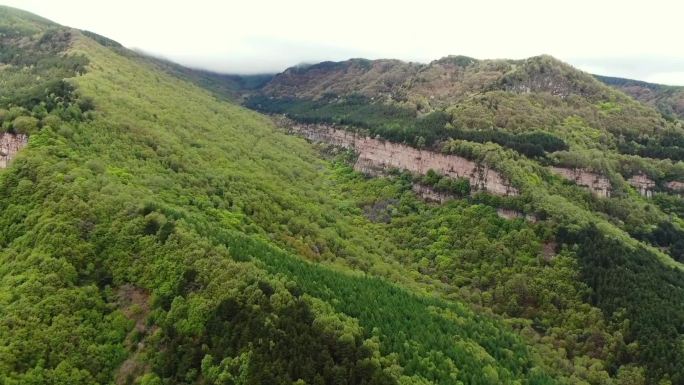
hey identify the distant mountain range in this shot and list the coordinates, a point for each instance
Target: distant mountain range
(394, 75)
(669, 100)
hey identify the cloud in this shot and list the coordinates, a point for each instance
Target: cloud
(633, 39)
(264, 54)
(650, 68)
(672, 78)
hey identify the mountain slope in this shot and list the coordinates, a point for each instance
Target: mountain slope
(154, 234)
(530, 120)
(224, 86)
(447, 80)
(464, 98)
(669, 100)
(150, 239)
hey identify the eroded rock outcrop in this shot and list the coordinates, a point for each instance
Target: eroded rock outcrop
(10, 144)
(676, 187)
(598, 184)
(376, 156)
(643, 184)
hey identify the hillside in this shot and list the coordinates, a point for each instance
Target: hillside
(477, 100)
(532, 121)
(444, 81)
(669, 100)
(153, 233)
(229, 87)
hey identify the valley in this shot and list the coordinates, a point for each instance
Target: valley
(362, 222)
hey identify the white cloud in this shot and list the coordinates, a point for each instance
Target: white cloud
(666, 78)
(269, 35)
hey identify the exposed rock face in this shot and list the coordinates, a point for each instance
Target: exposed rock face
(377, 156)
(598, 184)
(676, 186)
(10, 144)
(643, 184)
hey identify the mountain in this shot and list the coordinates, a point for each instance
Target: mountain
(230, 87)
(154, 233)
(529, 120)
(540, 94)
(446, 80)
(669, 100)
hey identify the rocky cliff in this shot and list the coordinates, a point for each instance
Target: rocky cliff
(376, 156)
(598, 184)
(676, 187)
(643, 184)
(10, 144)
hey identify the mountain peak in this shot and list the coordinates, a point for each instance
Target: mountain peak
(458, 60)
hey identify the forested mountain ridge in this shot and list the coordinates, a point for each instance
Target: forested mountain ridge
(152, 234)
(445, 81)
(230, 87)
(525, 119)
(669, 100)
(477, 100)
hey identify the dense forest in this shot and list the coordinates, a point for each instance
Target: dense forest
(554, 104)
(155, 233)
(162, 238)
(570, 120)
(402, 125)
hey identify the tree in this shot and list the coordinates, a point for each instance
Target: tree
(25, 124)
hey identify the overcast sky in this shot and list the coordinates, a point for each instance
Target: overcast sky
(636, 39)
